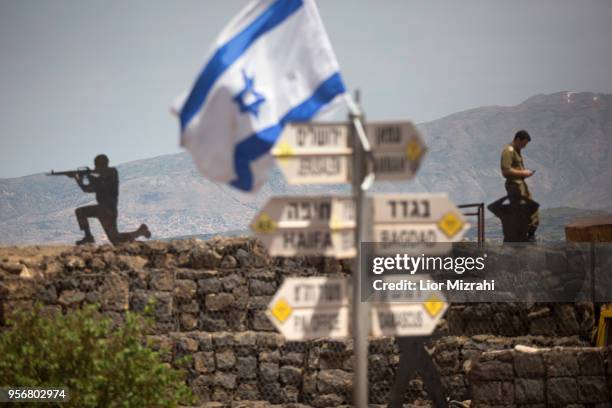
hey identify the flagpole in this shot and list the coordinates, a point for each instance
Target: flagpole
(361, 310)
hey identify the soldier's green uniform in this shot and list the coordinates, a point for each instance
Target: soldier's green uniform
(516, 186)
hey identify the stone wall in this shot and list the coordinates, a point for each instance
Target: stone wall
(263, 366)
(551, 377)
(519, 319)
(210, 302)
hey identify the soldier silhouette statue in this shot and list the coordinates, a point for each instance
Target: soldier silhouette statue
(104, 182)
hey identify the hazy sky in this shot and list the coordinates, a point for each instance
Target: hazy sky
(78, 78)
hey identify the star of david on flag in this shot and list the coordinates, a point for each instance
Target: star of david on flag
(251, 106)
(273, 64)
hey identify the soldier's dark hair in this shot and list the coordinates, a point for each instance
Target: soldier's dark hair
(522, 135)
(101, 160)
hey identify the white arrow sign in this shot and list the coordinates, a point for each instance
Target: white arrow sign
(297, 225)
(419, 218)
(314, 153)
(417, 318)
(398, 150)
(310, 308)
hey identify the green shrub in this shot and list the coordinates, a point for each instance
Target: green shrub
(100, 365)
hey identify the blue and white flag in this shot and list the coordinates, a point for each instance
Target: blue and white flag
(272, 64)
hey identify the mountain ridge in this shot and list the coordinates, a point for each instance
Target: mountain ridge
(570, 150)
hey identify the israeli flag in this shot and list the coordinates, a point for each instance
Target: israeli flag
(272, 64)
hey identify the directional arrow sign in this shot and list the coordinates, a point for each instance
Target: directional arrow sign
(315, 153)
(416, 218)
(294, 225)
(397, 149)
(417, 318)
(310, 308)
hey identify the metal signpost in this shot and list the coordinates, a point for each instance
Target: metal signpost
(310, 308)
(361, 310)
(330, 153)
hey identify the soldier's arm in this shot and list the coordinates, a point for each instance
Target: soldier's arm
(87, 188)
(510, 172)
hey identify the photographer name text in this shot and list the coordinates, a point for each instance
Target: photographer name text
(430, 285)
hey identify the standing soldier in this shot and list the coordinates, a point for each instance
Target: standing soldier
(514, 171)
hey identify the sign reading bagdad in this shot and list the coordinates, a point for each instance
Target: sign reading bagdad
(415, 218)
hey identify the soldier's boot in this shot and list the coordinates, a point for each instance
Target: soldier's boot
(87, 239)
(143, 230)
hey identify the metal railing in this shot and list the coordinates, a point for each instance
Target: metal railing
(479, 214)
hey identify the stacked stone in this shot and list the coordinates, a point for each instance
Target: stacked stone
(209, 303)
(551, 377)
(518, 319)
(226, 284)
